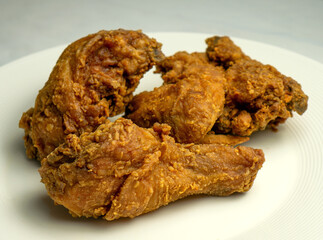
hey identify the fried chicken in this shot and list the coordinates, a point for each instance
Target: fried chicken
(223, 139)
(93, 79)
(257, 95)
(122, 170)
(190, 100)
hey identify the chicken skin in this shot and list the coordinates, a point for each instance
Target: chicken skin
(190, 100)
(93, 79)
(122, 170)
(257, 95)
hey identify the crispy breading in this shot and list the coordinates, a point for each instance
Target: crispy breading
(93, 79)
(190, 100)
(122, 170)
(257, 95)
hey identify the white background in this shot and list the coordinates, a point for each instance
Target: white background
(33, 25)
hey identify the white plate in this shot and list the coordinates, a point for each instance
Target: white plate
(284, 203)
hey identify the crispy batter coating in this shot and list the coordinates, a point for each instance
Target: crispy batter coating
(93, 79)
(257, 95)
(122, 170)
(190, 100)
(223, 139)
(223, 52)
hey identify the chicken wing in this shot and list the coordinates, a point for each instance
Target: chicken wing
(93, 79)
(122, 170)
(257, 95)
(190, 100)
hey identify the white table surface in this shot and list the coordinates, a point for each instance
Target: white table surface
(34, 25)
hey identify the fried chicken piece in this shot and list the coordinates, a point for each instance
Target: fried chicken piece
(93, 79)
(190, 100)
(257, 95)
(230, 140)
(223, 52)
(122, 170)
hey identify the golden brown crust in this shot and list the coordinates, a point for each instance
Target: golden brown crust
(223, 52)
(122, 170)
(190, 100)
(229, 140)
(257, 96)
(114, 170)
(93, 79)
